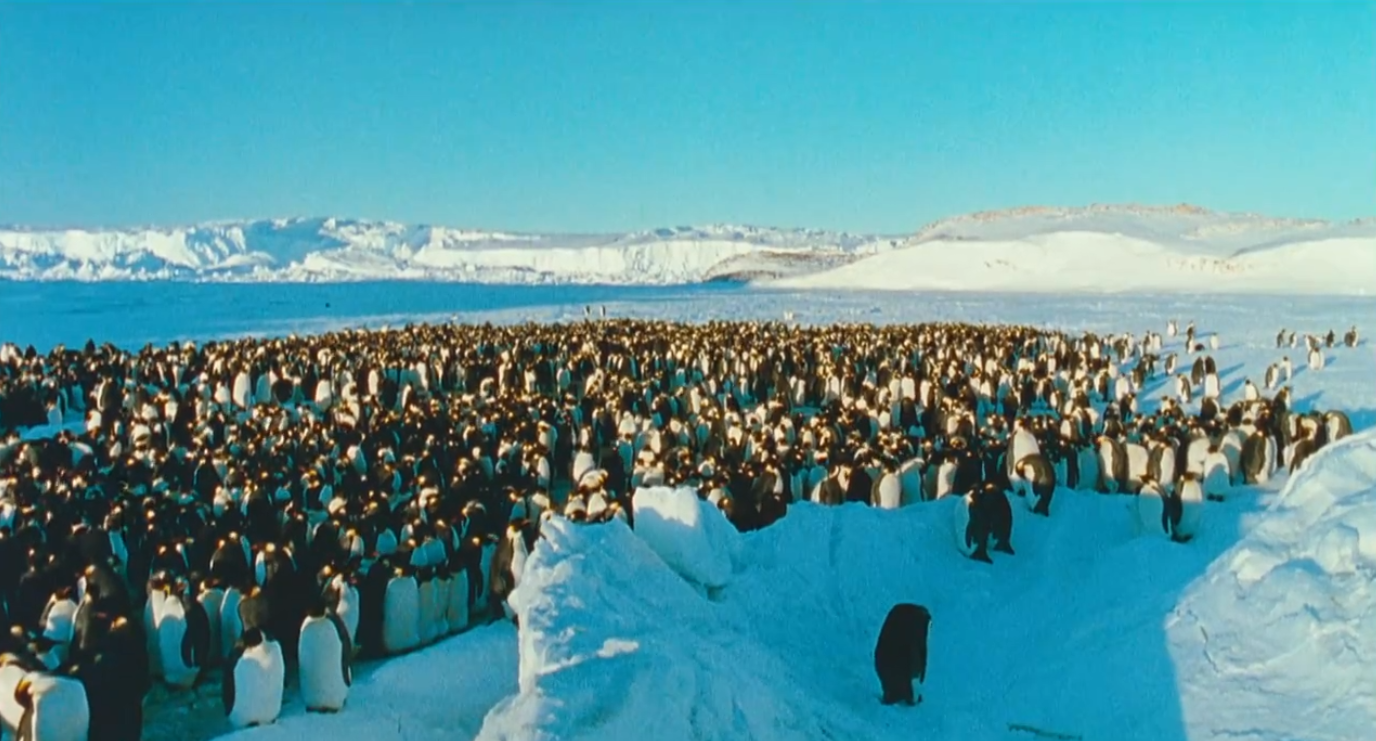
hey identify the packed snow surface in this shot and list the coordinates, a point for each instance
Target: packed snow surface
(1260, 629)
(1095, 248)
(1117, 248)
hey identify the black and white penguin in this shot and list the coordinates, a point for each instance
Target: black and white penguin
(1338, 425)
(255, 675)
(1151, 509)
(981, 516)
(55, 708)
(508, 563)
(401, 612)
(343, 600)
(900, 653)
(183, 638)
(1217, 475)
(325, 655)
(1185, 508)
(115, 678)
(1041, 478)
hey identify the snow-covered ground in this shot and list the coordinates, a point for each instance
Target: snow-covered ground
(1261, 629)
(1114, 248)
(1099, 248)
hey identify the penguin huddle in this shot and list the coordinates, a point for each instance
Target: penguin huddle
(271, 510)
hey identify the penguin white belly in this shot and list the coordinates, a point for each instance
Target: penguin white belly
(171, 632)
(910, 479)
(60, 709)
(11, 712)
(231, 626)
(400, 618)
(489, 552)
(152, 615)
(1217, 479)
(1151, 508)
(1088, 469)
(945, 479)
(960, 525)
(438, 610)
(1269, 463)
(456, 612)
(323, 667)
(240, 394)
(425, 609)
(1138, 458)
(1211, 386)
(1107, 456)
(1191, 509)
(348, 607)
(211, 601)
(59, 623)
(890, 491)
(1195, 455)
(259, 677)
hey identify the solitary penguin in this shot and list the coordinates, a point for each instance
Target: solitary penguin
(900, 654)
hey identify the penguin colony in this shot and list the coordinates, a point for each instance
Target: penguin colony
(271, 509)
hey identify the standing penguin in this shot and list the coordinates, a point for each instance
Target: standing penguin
(325, 653)
(900, 654)
(183, 638)
(1218, 478)
(1152, 513)
(1185, 508)
(254, 677)
(55, 708)
(1042, 479)
(981, 516)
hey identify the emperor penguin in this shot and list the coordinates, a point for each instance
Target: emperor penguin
(325, 654)
(1249, 390)
(183, 638)
(55, 708)
(401, 612)
(255, 675)
(1186, 509)
(1316, 359)
(1151, 509)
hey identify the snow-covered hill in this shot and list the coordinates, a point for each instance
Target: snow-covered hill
(1118, 248)
(338, 249)
(1096, 248)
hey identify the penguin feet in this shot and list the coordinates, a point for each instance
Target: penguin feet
(981, 555)
(1004, 547)
(329, 711)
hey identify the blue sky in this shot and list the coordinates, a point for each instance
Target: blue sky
(586, 116)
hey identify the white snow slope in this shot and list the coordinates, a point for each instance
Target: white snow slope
(1118, 248)
(337, 249)
(1095, 248)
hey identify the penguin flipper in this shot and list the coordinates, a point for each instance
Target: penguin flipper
(346, 650)
(227, 686)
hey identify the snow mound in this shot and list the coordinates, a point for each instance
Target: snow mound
(1278, 640)
(615, 645)
(1115, 249)
(689, 534)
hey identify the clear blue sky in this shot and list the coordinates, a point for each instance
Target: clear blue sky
(586, 116)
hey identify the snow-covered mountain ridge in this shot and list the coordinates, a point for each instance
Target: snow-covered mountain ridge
(1098, 247)
(330, 249)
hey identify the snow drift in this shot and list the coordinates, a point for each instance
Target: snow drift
(1118, 248)
(1091, 631)
(689, 534)
(1278, 640)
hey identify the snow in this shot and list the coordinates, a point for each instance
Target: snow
(1259, 629)
(1093, 248)
(332, 249)
(687, 533)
